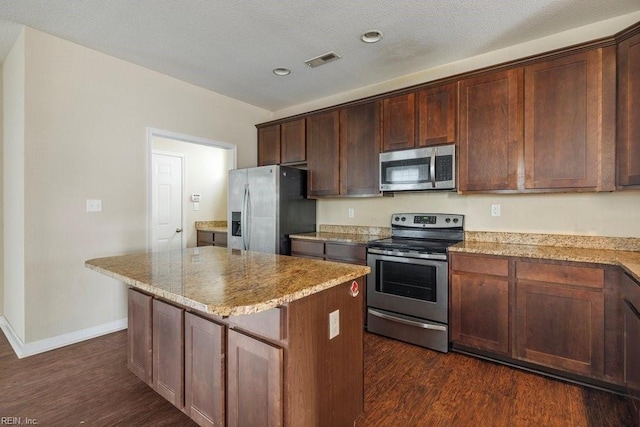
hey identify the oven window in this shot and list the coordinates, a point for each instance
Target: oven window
(407, 280)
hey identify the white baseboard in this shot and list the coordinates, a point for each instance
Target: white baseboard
(29, 349)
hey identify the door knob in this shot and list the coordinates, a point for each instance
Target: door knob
(178, 230)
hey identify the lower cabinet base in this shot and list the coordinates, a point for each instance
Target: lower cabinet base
(541, 370)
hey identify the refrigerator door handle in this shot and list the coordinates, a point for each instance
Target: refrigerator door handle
(244, 218)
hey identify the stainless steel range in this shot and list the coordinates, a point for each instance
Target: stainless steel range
(407, 289)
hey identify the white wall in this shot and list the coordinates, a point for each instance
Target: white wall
(86, 119)
(13, 167)
(206, 173)
(608, 214)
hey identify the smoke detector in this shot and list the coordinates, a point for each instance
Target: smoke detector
(322, 59)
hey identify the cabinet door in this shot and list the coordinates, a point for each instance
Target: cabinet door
(323, 155)
(562, 116)
(204, 370)
(205, 238)
(220, 239)
(168, 352)
(437, 109)
(480, 312)
(269, 145)
(631, 327)
(139, 347)
(491, 131)
(360, 149)
(398, 122)
(628, 145)
(560, 327)
(293, 143)
(254, 382)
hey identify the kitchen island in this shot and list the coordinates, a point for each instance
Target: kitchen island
(244, 338)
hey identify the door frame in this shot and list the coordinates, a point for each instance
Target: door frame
(183, 188)
(162, 133)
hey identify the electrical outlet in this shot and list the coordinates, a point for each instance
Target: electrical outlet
(352, 212)
(196, 206)
(495, 210)
(334, 324)
(94, 205)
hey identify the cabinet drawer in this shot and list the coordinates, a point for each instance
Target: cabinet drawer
(346, 252)
(268, 324)
(480, 264)
(307, 247)
(563, 274)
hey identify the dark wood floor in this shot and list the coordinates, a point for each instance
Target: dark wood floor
(88, 384)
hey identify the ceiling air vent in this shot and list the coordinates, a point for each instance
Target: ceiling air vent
(322, 59)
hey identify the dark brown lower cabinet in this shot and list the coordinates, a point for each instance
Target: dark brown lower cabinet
(255, 383)
(480, 305)
(168, 352)
(563, 318)
(139, 338)
(560, 327)
(204, 378)
(277, 367)
(631, 327)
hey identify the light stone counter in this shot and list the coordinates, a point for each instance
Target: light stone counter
(215, 226)
(226, 282)
(588, 249)
(346, 234)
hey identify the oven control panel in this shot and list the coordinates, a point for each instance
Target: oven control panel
(427, 220)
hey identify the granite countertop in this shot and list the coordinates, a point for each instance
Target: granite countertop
(215, 226)
(346, 234)
(226, 282)
(598, 250)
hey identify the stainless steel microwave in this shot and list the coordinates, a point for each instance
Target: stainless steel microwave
(427, 168)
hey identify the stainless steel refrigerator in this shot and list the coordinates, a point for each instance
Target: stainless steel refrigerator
(267, 204)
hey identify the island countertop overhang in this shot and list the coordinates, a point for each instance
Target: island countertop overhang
(226, 282)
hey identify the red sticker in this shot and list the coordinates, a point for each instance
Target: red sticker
(354, 289)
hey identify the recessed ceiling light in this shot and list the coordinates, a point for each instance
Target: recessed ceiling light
(372, 36)
(281, 71)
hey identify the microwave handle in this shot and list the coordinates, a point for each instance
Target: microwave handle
(432, 166)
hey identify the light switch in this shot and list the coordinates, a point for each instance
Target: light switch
(94, 205)
(196, 206)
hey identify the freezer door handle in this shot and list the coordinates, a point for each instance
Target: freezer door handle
(245, 217)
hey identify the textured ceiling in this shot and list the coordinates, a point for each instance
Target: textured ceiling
(232, 46)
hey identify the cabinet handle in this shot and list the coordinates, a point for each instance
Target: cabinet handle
(408, 322)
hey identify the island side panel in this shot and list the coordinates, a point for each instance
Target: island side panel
(324, 377)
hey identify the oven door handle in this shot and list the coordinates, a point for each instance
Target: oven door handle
(408, 322)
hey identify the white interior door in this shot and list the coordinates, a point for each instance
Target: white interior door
(166, 202)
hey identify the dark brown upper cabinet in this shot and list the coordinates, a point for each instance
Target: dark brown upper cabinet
(343, 148)
(398, 122)
(360, 150)
(569, 122)
(437, 109)
(490, 129)
(269, 145)
(293, 142)
(282, 143)
(628, 144)
(323, 154)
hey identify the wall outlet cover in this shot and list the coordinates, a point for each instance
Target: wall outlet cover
(334, 324)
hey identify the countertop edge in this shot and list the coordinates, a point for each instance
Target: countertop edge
(227, 311)
(616, 258)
